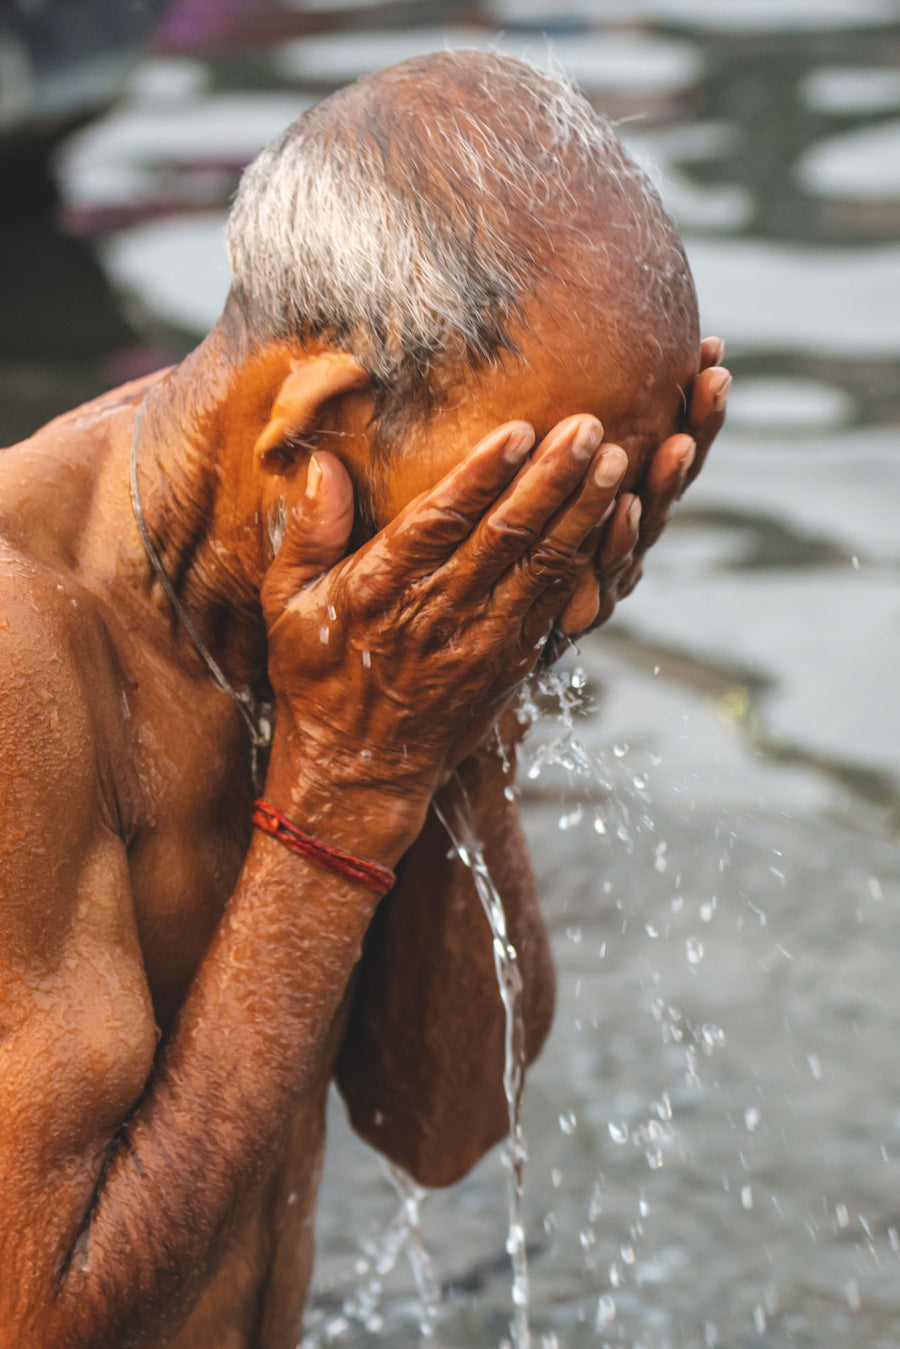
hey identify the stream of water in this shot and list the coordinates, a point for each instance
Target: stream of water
(455, 815)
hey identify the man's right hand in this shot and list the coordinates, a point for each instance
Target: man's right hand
(400, 657)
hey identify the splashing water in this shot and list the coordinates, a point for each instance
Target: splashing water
(456, 817)
(427, 1286)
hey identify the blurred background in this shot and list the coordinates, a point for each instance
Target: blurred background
(714, 1129)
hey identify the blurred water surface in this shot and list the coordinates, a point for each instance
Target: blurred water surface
(715, 1125)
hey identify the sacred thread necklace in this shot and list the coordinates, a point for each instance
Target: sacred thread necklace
(258, 724)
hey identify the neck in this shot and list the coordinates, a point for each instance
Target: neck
(199, 499)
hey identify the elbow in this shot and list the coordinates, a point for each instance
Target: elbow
(434, 1157)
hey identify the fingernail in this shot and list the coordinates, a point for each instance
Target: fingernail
(610, 467)
(518, 445)
(721, 395)
(687, 457)
(587, 438)
(313, 478)
(720, 351)
(634, 513)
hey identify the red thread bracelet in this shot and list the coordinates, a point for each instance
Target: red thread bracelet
(271, 821)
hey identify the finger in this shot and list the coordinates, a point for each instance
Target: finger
(562, 470)
(615, 557)
(712, 352)
(316, 533)
(556, 558)
(706, 412)
(665, 482)
(430, 528)
(583, 606)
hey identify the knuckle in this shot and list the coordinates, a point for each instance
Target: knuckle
(551, 560)
(506, 537)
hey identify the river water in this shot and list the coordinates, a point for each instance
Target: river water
(714, 1127)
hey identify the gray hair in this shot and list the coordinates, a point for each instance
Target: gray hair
(408, 217)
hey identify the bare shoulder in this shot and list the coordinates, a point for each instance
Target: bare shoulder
(51, 792)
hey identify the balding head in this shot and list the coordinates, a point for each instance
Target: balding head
(412, 218)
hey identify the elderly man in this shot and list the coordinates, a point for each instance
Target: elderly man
(292, 530)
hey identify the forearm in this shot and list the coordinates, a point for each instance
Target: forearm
(422, 1063)
(245, 1050)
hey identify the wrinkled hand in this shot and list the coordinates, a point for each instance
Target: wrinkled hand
(618, 547)
(407, 650)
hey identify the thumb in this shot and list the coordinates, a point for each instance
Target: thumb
(316, 536)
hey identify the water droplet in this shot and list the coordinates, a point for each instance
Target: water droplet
(332, 612)
(815, 1066)
(620, 751)
(599, 824)
(664, 1107)
(556, 1178)
(509, 792)
(568, 1122)
(841, 1215)
(875, 887)
(366, 657)
(627, 1254)
(323, 635)
(707, 910)
(292, 1198)
(606, 1312)
(854, 562)
(752, 1117)
(712, 1037)
(747, 1196)
(694, 949)
(573, 818)
(854, 1301)
(578, 678)
(515, 1239)
(759, 1319)
(574, 934)
(676, 903)
(710, 1335)
(650, 930)
(618, 1132)
(639, 782)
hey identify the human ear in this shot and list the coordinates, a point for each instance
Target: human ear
(311, 383)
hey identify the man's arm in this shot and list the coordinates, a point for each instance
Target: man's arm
(422, 1062)
(421, 1067)
(123, 1171)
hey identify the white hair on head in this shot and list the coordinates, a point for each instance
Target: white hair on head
(407, 217)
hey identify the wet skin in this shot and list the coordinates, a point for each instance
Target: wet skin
(176, 991)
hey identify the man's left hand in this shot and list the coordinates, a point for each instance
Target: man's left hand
(618, 545)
